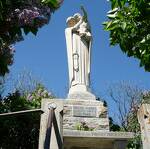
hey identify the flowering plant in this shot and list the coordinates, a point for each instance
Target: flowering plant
(18, 17)
(37, 95)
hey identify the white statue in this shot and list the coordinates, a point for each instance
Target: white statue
(78, 39)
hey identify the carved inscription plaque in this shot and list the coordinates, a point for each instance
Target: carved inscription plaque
(82, 111)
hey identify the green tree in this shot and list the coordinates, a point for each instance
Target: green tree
(20, 17)
(21, 131)
(113, 126)
(129, 26)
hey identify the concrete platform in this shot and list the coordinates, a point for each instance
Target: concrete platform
(74, 139)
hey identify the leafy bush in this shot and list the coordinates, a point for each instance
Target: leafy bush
(21, 131)
(83, 127)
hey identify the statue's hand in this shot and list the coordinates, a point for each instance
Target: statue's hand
(86, 35)
(82, 35)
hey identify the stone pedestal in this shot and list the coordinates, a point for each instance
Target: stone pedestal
(83, 124)
(85, 115)
(86, 126)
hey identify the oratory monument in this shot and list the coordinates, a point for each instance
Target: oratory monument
(85, 119)
(82, 120)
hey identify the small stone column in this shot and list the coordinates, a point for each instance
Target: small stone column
(57, 126)
(144, 120)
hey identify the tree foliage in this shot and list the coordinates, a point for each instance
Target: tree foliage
(19, 17)
(113, 126)
(127, 98)
(129, 26)
(21, 131)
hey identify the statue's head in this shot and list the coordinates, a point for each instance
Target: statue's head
(70, 22)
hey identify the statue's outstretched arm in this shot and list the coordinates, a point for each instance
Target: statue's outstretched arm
(76, 27)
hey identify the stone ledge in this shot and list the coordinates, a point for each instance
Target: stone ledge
(98, 134)
(86, 95)
(76, 139)
(82, 102)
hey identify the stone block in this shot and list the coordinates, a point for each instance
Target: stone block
(93, 123)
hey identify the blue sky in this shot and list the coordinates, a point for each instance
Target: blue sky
(45, 55)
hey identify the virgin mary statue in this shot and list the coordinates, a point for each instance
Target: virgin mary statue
(78, 40)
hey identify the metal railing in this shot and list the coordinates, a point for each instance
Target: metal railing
(20, 112)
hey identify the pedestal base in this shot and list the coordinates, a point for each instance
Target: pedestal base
(80, 92)
(85, 115)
